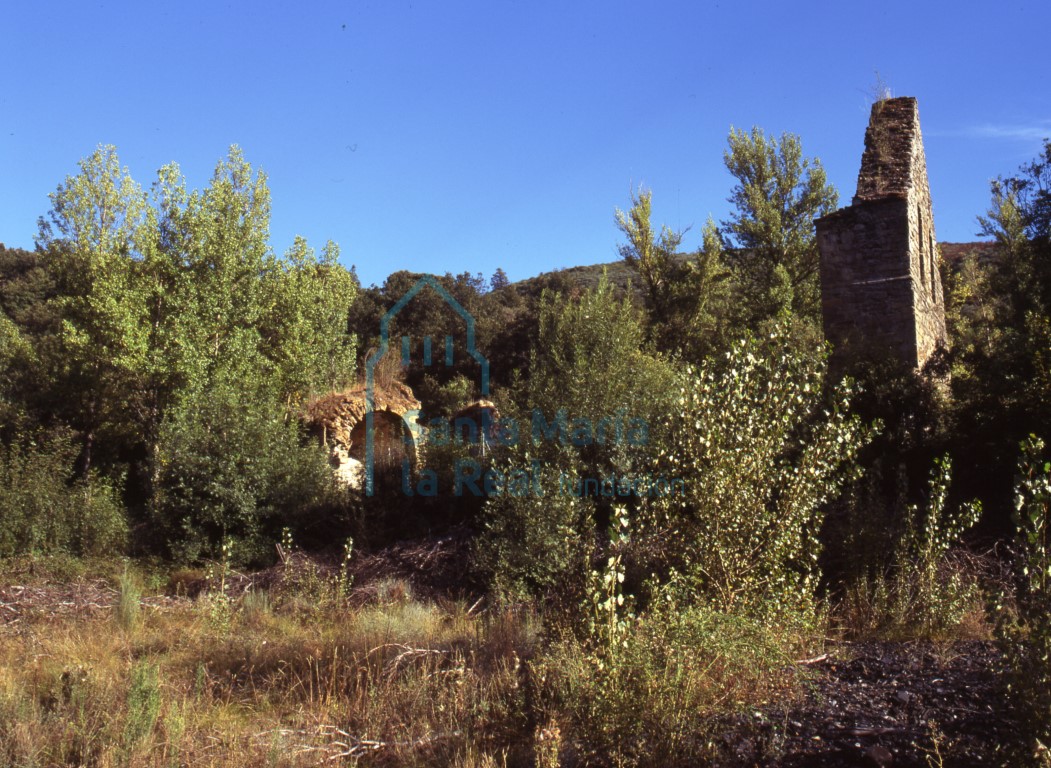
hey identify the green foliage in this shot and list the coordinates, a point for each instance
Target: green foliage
(926, 592)
(1033, 524)
(778, 195)
(536, 545)
(652, 254)
(499, 280)
(589, 362)
(231, 464)
(1030, 194)
(709, 282)
(608, 610)
(761, 449)
(229, 298)
(1028, 646)
(25, 286)
(91, 231)
(305, 333)
(44, 511)
(648, 700)
(445, 399)
(427, 314)
(937, 528)
(11, 344)
(160, 294)
(999, 311)
(15, 353)
(144, 703)
(90, 236)
(971, 313)
(589, 359)
(685, 295)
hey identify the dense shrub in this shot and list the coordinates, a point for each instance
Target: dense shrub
(590, 367)
(760, 448)
(930, 588)
(652, 698)
(590, 361)
(536, 544)
(1028, 643)
(43, 511)
(233, 467)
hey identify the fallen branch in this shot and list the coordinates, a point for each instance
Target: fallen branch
(815, 660)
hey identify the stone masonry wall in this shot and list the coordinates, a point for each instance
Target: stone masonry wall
(881, 289)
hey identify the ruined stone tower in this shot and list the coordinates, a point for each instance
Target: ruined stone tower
(881, 291)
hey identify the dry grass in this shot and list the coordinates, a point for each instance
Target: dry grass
(903, 605)
(296, 673)
(654, 698)
(240, 682)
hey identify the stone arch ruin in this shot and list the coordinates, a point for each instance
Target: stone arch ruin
(338, 421)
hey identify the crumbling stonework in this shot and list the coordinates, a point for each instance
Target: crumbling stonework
(881, 290)
(338, 421)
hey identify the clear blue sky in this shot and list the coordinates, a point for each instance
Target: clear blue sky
(452, 136)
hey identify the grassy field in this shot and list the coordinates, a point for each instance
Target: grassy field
(105, 669)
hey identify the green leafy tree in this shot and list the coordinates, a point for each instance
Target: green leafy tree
(427, 314)
(233, 469)
(685, 293)
(91, 236)
(929, 592)
(163, 298)
(760, 449)
(778, 195)
(242, 338)
(216, 283)
(652, 253)
(589, 363)
(45, 511)
(499, 280)
(999, 318)
(227, 254)
(1033, 191)
(535, 545)
(1028, 645)
(1018, 275)
(305, 332)
(15, 353)
(711, 288)
(174, 364)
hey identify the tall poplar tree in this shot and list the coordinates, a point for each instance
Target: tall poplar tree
(91, 236)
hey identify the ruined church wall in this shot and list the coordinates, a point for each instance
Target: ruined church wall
(867, 296)
(928, 297)
(880, 281)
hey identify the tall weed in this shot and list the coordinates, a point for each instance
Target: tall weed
(1028, 641)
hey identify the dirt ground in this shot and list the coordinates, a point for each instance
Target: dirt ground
(886, 704)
